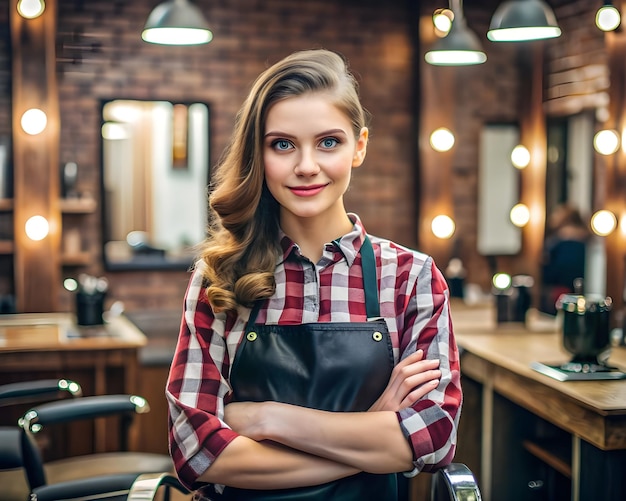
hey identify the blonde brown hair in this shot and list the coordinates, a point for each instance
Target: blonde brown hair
(242, 245)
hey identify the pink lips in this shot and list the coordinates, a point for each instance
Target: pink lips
(307, 191)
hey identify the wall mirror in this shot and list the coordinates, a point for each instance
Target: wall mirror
(155, 173)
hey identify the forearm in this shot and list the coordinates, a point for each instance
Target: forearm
(248, 464)
(368, 441)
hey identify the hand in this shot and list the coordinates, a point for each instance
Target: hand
(245, 418)
(410, 380)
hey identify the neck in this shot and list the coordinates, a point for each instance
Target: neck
(311, 234)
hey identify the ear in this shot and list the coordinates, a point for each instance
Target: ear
(361, 147)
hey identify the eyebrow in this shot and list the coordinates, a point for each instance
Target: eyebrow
(329, 132)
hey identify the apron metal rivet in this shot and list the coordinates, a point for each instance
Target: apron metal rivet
(251, 336)
(377, 336)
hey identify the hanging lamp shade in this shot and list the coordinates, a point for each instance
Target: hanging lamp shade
(176, 22)
(522, 20)
(460, 47)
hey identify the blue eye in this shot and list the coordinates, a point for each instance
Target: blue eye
(329, 142)
(282, 144)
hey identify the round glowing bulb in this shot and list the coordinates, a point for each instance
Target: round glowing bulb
(501, 281)
(603, 222)
(442, 20)
(520, 156)
(606, 142)
(443, 226)
(520, 215)
(70, 284)
(34, 121)
(607, 18)
(37, 228)
(442, 139)
(30, 9)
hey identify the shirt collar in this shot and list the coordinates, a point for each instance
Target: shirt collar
(348, 245)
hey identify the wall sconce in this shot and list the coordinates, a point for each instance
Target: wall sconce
(37, 228)
(460, 47)
(521, 20)
(442, 226)
(603, 222)
(520, 215)
(34, 121)
(176, 22)
(442, 139)
(606, 142)
(520, 157)
(30, 9)
(608, 17)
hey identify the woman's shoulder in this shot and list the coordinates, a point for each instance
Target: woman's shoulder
(390, 250)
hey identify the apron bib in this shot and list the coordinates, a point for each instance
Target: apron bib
(338, 366)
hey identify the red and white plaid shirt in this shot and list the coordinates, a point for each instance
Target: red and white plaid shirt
(414, 302)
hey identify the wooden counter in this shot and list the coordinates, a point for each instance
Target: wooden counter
(591, 413)
(102, 359)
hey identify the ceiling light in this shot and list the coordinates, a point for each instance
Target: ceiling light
(460, 47)
(176, 22)
(521, 20)
(608, 17)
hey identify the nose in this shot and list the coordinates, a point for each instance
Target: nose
(306, 163)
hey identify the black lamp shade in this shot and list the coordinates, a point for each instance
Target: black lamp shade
(459, 47)
(516, 20)
(176, 22)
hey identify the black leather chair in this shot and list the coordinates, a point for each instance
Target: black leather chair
(95, 476)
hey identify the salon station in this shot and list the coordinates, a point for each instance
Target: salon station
(488, 119)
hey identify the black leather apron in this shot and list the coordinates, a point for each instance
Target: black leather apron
(338, 366)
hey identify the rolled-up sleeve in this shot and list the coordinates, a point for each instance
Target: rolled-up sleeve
(196, 388)
(430, 425)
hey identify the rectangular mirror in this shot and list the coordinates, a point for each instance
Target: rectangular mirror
(155, 174)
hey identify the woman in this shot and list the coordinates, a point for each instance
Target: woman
(314, 361)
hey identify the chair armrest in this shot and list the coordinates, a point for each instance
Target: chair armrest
(147, 485)
(10, 448)
(104, 487)
(454, 482)
(29, 390)
(82, 408)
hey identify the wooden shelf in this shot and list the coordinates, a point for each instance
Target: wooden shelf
(6, 204)
(76, 259)
(6, 247)
(555, 456)
(78, 205)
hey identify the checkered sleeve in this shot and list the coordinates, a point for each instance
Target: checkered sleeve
(197, 386)
(431, 423)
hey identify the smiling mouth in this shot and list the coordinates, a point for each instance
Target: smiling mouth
(307, 191)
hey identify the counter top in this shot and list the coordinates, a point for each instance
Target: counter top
(53, 331)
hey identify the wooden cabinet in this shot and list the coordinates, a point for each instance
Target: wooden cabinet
(539, 438)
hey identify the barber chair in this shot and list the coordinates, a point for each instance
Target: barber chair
(109, 475)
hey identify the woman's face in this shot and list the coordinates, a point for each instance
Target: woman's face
(309, 152)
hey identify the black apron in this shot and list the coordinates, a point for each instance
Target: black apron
(338, 366)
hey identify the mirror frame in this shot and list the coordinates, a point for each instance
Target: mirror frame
(158, 263)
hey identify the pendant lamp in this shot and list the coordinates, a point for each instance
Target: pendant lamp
(522, 20)
(460, 47)
(176, 22)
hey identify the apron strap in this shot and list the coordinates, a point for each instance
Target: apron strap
(370, 284)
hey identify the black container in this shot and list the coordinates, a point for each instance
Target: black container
(89, 308)
(586, 325)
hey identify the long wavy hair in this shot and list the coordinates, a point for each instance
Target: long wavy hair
(242, 245)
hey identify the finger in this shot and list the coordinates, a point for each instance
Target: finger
(419, 393)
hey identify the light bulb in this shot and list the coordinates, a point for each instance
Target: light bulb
(608, 18)
(442, 139)
(30, 9)
(606, 142)
(520, 157)
(34, 121)
(603, 222)
(443, 226)
(520, 215)
(37, 228)
(501, 281)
